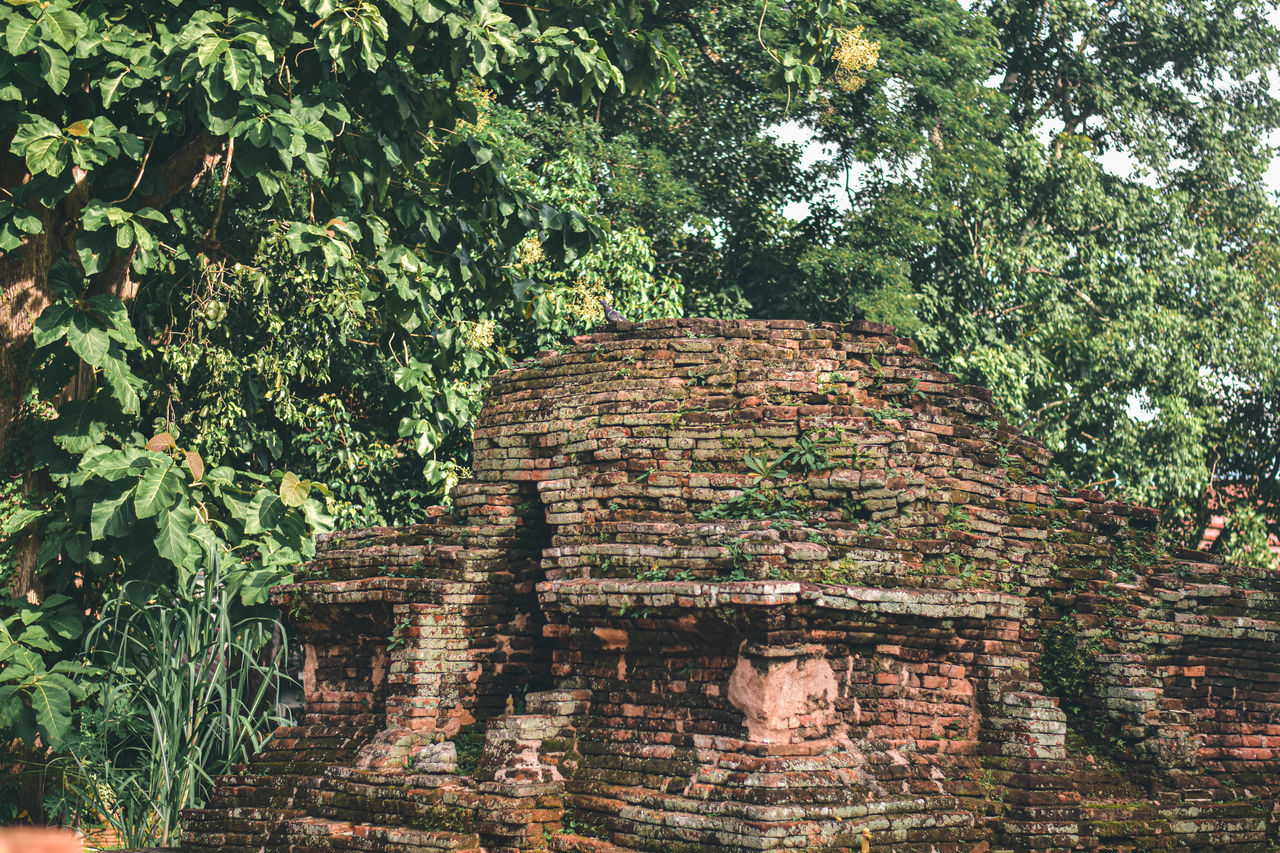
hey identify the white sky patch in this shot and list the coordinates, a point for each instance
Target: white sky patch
(1118, 163)
(812, 151)
(1140, 408)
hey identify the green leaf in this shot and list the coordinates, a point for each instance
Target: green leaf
(21, 34)
(238, 68)
(23, 662)
(210, 49)
(121, 379)
(18, 519)
(109, 463)
(255, 587)
(156, 491)
(264, 512)
(293, 491)
(111, 309)
(173, 533)
(428, 11)
(64, 622)
(125, 235)
(88, 338)
(51, 324)
(36, 637)
(260, 45)
(63, 26)
(11, 704)
(78, 427)
(99, 215)
(109, 88)
(28, 221)
(51, 702)
(112, 517)
(55, 66)
(42, 155)
(39, 142)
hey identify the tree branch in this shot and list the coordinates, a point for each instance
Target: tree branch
(181, 172)
(703, 44)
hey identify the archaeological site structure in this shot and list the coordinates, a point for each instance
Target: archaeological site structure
(746, 586)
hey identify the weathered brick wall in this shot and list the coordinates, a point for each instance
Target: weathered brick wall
(765, 585)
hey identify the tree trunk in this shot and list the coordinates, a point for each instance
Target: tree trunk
(24, 282)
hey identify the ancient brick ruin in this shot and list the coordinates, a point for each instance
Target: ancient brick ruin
(722, 585)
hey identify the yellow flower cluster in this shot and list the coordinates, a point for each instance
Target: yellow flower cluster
(529, 251)
(483, 99)
(479, 335)
(855, 55)
(582, 303)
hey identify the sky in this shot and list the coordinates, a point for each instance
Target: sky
(1114, 161)
(814, 151)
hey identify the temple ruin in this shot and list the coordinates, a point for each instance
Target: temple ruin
(765, 585)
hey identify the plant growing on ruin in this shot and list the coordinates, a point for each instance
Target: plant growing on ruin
(400, 634)
(469, 743)
(762, 497)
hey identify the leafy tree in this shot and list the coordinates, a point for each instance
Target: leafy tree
(277, 362)
(1106, 274)
(1063, 201)
(343, 123)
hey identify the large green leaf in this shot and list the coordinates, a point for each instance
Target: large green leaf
(63, 26)
(121, 380)
(109, 87)
(111, 309)
(293, 491)
(110, 463)
(64, 622)
(20, 518)
(264, 512)
(173, 538)
(157, 491)
(42, 155)
(79, 426)
(239, 67)
(37, 637)
(55, 66)
(51, 701)
(11, 704)
(210, 49)
(112, 516)
(88, 338)
(51, 324)
(21, 34)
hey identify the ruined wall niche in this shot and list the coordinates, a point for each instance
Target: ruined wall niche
(345, 660)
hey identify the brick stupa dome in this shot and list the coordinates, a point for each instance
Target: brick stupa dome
(752, 585)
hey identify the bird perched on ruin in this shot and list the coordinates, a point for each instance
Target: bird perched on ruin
(611, 315)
